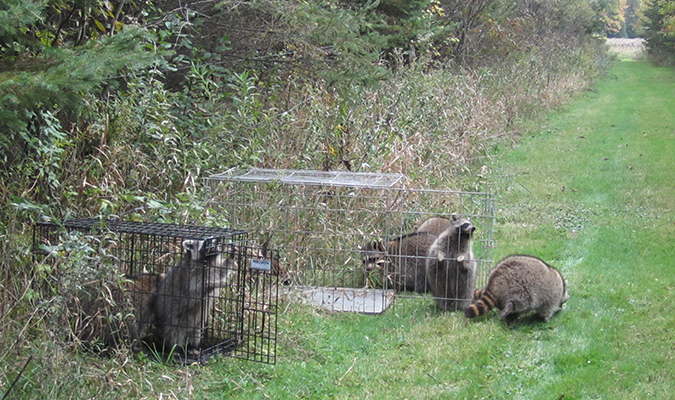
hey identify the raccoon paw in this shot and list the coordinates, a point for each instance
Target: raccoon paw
(508, 309)
(191, 356)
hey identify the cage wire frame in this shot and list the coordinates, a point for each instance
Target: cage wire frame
(319, 220)
(241, 317)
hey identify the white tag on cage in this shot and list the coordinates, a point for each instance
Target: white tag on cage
(262, 265)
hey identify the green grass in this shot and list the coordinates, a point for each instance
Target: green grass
(609, 231)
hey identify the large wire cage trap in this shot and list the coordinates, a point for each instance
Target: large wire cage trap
(321, 222)
(191, 291)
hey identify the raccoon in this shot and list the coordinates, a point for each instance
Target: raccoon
(433, 225)
(113, 311)
(451, 267)
(186, 295)
(521, 284)
(402, 260)
(141, 289)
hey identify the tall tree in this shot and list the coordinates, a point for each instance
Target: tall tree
(632, 18)
(54, 58)
(611, 14)
(658, 29)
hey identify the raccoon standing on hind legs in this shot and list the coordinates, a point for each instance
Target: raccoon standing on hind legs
(521, 284)
(187, 294)
(451, 265)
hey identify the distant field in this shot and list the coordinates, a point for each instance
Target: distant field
(627, 48)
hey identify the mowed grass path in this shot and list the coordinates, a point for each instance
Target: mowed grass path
(593, 193)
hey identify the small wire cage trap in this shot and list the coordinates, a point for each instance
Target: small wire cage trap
(195, 291)
(321, 222)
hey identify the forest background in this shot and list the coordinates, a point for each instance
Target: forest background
(121, 107)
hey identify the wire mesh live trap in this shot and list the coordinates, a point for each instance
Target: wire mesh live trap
(327, 226)
(194, 291)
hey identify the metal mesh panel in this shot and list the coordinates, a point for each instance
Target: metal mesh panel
(259, 326)
(308, 178)
(191, 286)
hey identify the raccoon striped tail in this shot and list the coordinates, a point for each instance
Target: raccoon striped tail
(484, 304)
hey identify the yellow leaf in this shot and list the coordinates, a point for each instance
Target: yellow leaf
(99, 25)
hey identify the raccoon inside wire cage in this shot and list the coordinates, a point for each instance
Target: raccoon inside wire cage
(357, 241)
(190, 291)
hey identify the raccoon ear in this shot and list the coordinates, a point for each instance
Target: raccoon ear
(194, 247)
(381, 262)
(188, 244)
(454, 217)
(380, 246)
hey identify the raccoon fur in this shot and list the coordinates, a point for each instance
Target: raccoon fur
(141, 289)
(451, 266)
(186, 295)
(111, 312)
(402, 260)
(521, 284)
(433, 225)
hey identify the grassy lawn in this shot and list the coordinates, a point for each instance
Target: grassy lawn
(593, 193)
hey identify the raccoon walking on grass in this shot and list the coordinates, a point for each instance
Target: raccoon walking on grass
(402, 260)
(451, 266)
(187, 294)
(521, 284)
